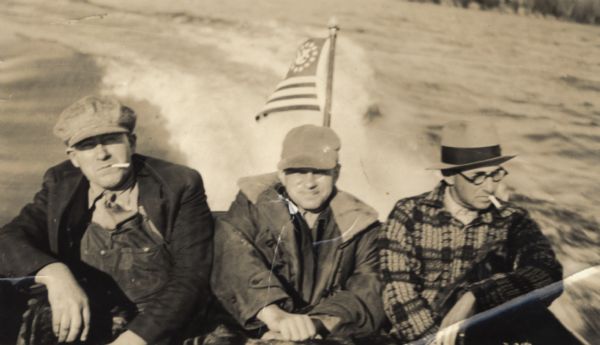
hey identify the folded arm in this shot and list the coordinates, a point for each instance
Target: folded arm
(534, 266)
(356, 309)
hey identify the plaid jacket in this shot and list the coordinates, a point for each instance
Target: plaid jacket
(428, 259)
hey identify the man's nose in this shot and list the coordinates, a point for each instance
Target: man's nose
(310, 180)
(489, 186)
(101, 152)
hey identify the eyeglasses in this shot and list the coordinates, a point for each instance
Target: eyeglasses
(477, 179)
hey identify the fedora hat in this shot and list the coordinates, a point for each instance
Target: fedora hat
(469, 145)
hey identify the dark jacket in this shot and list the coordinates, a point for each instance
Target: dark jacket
(174, 199)
(257, 260)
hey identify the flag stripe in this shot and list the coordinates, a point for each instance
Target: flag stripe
(284, 103)
(297, 91)
(297, 85)
(296, 80)
(292, 97)
(292, 107)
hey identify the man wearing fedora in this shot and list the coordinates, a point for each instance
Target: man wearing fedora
(457, 250)
(121, 242)
(294, 256)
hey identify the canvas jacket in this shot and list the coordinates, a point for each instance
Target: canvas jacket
(427, 257)
(257, 261)
(47, 230)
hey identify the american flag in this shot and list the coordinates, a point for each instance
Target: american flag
(303, 87)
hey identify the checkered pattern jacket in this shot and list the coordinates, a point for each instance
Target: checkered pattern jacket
(428, 259)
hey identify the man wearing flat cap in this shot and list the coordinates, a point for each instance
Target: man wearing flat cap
(121, 242)
(295, 257)
(457, 250)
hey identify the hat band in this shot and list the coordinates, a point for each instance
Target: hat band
(462, 155)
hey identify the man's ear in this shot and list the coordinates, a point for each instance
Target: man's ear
(132, 141)
(281, 176)
(450, 179)
(72, 156)
(336, 173)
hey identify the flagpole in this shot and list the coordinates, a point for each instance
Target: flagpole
(333, 28)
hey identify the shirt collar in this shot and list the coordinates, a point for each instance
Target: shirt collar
(435, 198)
(126, 197)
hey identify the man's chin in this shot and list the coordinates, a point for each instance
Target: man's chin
(110, 183)
(482, 206)
(314, 207)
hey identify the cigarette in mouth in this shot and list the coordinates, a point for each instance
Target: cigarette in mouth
(494, 201)
(120, 165)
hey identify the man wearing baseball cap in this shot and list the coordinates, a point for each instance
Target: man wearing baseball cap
(121, 242)
(457, 250)
(294, 256)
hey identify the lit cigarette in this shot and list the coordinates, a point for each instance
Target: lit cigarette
(120, 165)
(494, 201)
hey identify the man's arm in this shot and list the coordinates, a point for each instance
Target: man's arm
(410, 314)
(190, 247)
(24, 241)
(534, 266)
(242, 278)
(357, 309)
(25, 247)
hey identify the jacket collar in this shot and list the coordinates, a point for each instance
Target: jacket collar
(151, 191)
(351, 215)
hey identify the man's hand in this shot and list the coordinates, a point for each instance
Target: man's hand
(463, 309)
(447, 335)
(129, 338)
(69, 304)
(291, 326)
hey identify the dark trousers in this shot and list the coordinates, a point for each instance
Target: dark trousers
(12, 306)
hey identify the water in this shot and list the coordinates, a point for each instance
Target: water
(197, 72)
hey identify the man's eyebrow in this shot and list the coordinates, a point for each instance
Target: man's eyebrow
(307, 170)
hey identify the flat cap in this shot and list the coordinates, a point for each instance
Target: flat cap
(92, 116)
(310, 146)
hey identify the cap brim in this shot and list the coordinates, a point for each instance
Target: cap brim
(92, 132)
(307, 162)
(473, 165)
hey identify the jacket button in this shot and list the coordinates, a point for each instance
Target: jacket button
(103, 252)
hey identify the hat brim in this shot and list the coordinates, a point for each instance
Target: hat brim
(95, 131)
(473, 165)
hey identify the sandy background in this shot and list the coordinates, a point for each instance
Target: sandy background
(197, 72)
